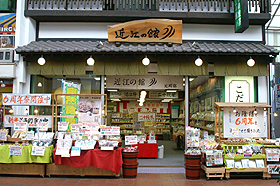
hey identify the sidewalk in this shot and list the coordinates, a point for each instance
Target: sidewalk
(141, 180)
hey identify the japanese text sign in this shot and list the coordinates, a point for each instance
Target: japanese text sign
(26, 99)
(20, 126)
(146, 116)
(149, 30)
(32, 121)
(145, 82)
(38, 151)
(130, 140)
(110, 131)
(15, 150)
(244, 123)
(43, 126)
(62, 126)
(3, 136)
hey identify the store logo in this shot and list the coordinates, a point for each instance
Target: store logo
(153, 81)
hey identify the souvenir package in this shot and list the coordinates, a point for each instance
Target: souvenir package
(230, 163)
(130, 149)
(68, 135)
(60, 143)
(260, 163)
(60, 135)
(193, 152)
(237, 164)
(67, 143)
(214, 157)
(245, 163)
(256, 149)
(252, 164)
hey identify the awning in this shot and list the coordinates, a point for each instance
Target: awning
(229, 58)
(228, 48)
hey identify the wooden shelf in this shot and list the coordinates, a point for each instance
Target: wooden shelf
(121, 122)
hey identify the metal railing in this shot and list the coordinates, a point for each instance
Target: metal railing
(224, 6)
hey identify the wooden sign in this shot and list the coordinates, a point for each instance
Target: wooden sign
(147, 31)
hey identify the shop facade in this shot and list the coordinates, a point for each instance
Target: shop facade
(66, 43)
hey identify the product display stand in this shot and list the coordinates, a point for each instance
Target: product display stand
(263, 170)
(213, 172)
(23, 169)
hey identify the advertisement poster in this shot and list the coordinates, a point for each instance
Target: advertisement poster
(90, 109)
(70, 88)
(244, 123)
(32, 121)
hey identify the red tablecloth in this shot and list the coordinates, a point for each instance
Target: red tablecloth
(102, 159)
(147, 150)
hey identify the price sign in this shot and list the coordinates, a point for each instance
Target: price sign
(62, 150)
(92, 127)
(130, 140)
(62, 126)
(76, 151)
(85, 137)
(43, 126)
(106, 131)
(272, 156)
(27, 136)
(3, 136)
(38, 151)
(32, 125)
(76, 127)
(20, 126)
(15, 150)
(115, 130)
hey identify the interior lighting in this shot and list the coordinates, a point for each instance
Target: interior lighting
(11, 111)
(275, 114)
(41, 60)
(166, 100)
(26, 111)
(146, 61)
(143, 93)
(234, 110)
(255, 111)
(90, 61)
(141, 104)
(171, 90)
(250, 62)
(39, 84)
(198, 62)
(115, 99)
(112, 90)
(36, 111)
(191, 79)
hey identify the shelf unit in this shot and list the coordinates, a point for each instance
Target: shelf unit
(124, 121)
(240, 157)
(162, 123)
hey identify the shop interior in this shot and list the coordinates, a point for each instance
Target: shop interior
(169, 123)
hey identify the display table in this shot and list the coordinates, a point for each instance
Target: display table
(26, 155)
(24, 164)
(147, 150)
(90, 160)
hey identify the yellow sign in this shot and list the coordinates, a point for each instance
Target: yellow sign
(147, 31)
(148, 123)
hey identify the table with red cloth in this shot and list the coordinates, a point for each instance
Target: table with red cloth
(147, 150)
(102, 159)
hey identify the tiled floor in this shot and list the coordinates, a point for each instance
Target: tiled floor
(140, 180)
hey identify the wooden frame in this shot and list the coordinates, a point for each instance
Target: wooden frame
(219, 106)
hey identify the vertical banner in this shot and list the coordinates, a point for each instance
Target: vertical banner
(244, 123)
(70, 88)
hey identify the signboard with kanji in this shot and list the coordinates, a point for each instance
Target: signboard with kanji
(146, 116)
(26, 99)
(149, 30)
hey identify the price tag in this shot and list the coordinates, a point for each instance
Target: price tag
(15, 150)
(62, 126)
(62, 150)
(38, 151)
(85, 137)
(20, 126)
(115, 130)
(32, 125)
(272, 156)
(130, 140)
(93, 127)
(76, 127)
(106, 131)
(27, 136)
(43, 126)
(3, 136)
(76, 151)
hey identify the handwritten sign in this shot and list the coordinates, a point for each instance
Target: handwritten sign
(149, 30)
(38, 151)
(26, 99)
(93, 128)
(62, 150)
(130, 140)
(15, 150)
(244, 123)
(62, 126)
(146, 116)
(20, 126)
(32, 121)
(27, 135)
(76, 127)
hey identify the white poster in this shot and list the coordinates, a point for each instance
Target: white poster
(244, 123)
(90, 109)
(38, 151)
(144, 82)
(130, 140)
(32, 121)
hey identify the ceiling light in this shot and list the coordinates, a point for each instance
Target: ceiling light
(191, 79)
(255, 111)
(39, 84)
(234, 110)
(41, 60)
(11, 111)
(198, 62)
(275, 114)
(115, 99)
(2, 84)
(112, 90)
(250, 62)
(146, 61)
(141, 104)
(166, 100)
(171, 90)
(97, 78)
(26, 111)
(143, 93)
(90, 61)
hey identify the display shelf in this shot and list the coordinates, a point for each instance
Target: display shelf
(213, 172)
(271, 162)
(163, 123)
(23, 168)
(263, 170)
